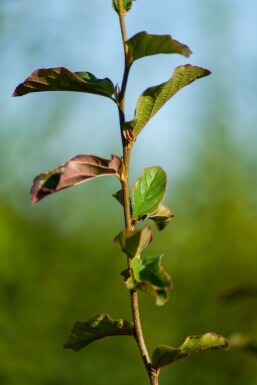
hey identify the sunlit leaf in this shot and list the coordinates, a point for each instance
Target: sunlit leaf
(79, 169)
(144, 44)
(165, 355)
(96, 328)
(162, 217)
(150, 277)
(127, 5)
(154, 98)
(148, 192)
(132, 243)
(62, 79)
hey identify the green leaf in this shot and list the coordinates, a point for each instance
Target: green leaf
(164, 355)
(62, 79)
(96, 328)
(150, 277)
(144, 44)
(119, 196)
(127, 5)
(154, 98)
(148, 192)
(162, 217)
(132, 243)
(78, 170)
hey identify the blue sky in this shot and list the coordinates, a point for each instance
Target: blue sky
(84, 35)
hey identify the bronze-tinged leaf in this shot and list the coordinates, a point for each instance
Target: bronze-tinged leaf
(62, 79)
(162, 217)
(133, 242)
(78, 170)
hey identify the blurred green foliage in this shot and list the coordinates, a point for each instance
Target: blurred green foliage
(60, 267)
(49, 278)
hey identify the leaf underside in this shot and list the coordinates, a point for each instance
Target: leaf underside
(153, 98)
(165, 355)
(96, 328)
(162, 217)
(132, 243)
(148, 192)
(77, 170)
(62, 79)
(144, 44)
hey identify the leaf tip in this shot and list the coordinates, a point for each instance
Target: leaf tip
(15, 92)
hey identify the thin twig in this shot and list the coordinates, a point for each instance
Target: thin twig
(127, 146)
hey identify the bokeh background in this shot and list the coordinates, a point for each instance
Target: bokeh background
(57, 260)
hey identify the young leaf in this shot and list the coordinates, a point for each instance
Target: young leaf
(162, 217)
(96, 328)
(165, 355)
(62, 79)
(127, 5)
(79, 169)
(154, 98)
(144, 44)
(132, 243)
(150, 277)
(148, 192)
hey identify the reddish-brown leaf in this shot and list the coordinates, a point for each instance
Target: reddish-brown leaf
(62, 79)
(78, 170)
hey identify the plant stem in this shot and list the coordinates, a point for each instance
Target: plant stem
(127, 144)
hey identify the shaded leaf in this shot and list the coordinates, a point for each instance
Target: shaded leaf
(144, 44)
(127, 5)
(245, 342)
(62, 79)
(148, 192)
(132, 243)
(162, 217)
(119, 196)
(150, 277)
(79, 169)
(96, 328)
(165, 355)
(154, 98)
